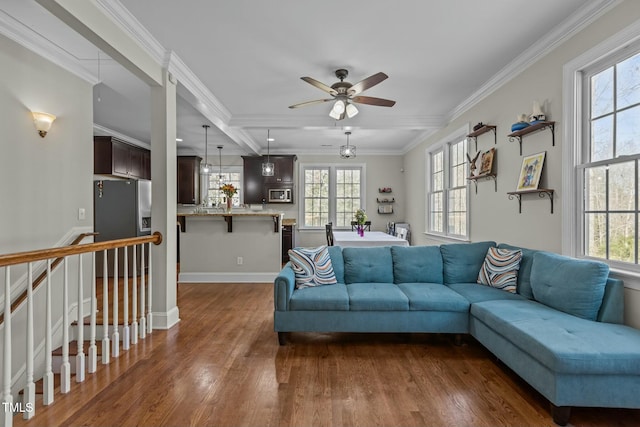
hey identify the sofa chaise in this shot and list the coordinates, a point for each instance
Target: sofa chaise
(560, 328)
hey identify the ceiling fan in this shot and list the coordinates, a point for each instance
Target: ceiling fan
(345, 94)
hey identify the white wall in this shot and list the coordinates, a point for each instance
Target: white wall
(493, 215)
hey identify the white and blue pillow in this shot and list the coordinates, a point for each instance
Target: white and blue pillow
(500, 269)
(312, 267)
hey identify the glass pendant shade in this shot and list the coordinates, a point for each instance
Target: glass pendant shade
(205, 167)
(347, 151)
(334, 115)
(339, 107)
(351, 110)
(268, 168)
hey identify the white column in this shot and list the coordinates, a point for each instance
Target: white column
(163, 170)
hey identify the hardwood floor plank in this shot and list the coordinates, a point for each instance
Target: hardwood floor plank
(222, 366)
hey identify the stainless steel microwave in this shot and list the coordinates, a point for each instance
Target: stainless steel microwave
(280, 195)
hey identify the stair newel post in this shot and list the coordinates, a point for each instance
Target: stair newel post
(143, 320)
(93, 350)
(29, 398)
(149, 287)
(125, 301)
(47, 392)
(134, 299)
(6, 364)
(80, 325)
(115, 338)
(105, 310)
(65, 368)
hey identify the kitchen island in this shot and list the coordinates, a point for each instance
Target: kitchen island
(238, 246)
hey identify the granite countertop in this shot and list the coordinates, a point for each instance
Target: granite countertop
(240, 212)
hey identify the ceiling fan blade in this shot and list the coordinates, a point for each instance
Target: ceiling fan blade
(304, 104)
(381, 102)
(367, 83)
(320, 85)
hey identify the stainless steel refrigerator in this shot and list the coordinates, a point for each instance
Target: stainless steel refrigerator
(121, 209)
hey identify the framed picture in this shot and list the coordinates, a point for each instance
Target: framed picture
(531, 171)
(486, 162)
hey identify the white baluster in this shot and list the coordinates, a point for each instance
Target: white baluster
(115, 337)
(125, 302)
(29, 398)
(105, 311)
(80, 323)
(47, 392)
(143, 320)
(6, 364)
(149, 286)
(93, 350)
(134, 299)
(65, 368)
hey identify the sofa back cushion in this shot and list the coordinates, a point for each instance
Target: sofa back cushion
(567, 284)
(416, 264)
(368, 265)
(335, 252)
(524, 274)
(461, 262)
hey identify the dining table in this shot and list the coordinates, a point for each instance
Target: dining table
(369, 238)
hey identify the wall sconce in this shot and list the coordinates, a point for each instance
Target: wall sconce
(43, 122)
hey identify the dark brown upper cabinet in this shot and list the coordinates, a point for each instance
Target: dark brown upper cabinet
(112, 156)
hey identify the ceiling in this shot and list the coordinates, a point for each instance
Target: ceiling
(250, 55)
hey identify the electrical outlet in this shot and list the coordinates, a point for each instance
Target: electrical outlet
(240, 260)
(82, 213)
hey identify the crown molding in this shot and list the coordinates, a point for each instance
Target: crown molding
(110, 132)
(587, 14)
(418, 140)
(39, 45)
(286, 121)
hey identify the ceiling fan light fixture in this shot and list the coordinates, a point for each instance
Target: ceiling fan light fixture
(347, 151)
(334, 115)
(351, 110)
(338, 107)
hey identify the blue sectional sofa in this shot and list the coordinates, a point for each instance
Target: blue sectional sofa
(561, 331)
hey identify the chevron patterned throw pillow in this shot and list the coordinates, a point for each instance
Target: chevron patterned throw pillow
(312, 267)
(500, 269)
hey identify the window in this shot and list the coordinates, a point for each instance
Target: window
(610, 159)
(331, 194)
(230, 175)
(447, 195)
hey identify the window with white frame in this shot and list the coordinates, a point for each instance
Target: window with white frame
(610, 156)
(330, 194)
(447, 195)
(230, 175)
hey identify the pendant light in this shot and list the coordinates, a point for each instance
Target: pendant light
(205, 168)
(347, 151)
(220, 177)
(268, 167)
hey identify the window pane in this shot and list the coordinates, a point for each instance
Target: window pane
(621, 191)
(622, 231)
(628, 132)
(602, 139)
(596, 189)
(438, 181)
(602, 93)
(628, 82)
(596, 235)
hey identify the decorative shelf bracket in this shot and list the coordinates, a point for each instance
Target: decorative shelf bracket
(542, 193)
(229, 220)
(517, 136)
(492, 176)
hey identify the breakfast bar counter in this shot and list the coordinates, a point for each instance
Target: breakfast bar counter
(228, 216)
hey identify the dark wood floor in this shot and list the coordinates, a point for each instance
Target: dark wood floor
(222, 366)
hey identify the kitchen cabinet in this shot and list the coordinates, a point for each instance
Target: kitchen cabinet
(283, 169)
(112, 156)
(256, 186)
(188, 176)
(288, 239)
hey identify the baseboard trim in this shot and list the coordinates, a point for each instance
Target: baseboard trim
(166, 320)
(227, 277)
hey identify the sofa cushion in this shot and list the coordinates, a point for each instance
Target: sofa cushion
(500, 269)
(474, 293)
(321, 298)
(462, 261)
(433, 297)
(368, 265)
(312, 267)
(524, 274)
(415, 264)
(376, 297)
(562, 342)
(335, 252)
(567, 284)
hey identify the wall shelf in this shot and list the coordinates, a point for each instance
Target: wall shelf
(486, 176)
(484, 129)
(541, 192)
(517, 135)
(385, 205)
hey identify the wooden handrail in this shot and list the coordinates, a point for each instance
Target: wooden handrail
(44, 254)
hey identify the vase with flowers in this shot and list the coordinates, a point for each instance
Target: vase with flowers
(228, 190)
(360, 217)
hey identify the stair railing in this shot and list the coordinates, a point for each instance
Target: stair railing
(27, 385)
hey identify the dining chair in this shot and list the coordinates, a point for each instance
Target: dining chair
(402, 232)
(329, 230)
(367, 225)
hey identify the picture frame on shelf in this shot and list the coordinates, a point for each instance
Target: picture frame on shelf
(486, 162)
(531, 171)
